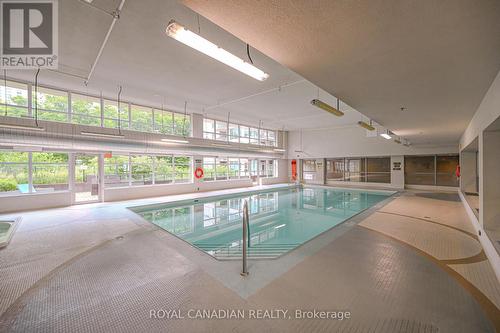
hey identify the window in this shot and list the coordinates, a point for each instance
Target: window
(111, 117)
(209, 129)
(142, 169)
(359, 169)
(271, 137)
(378, 169)
(164, 169)
(14, 173)
(50, 172)
(116, 171)
(420, 170)
(309, 169)
(52, 104)
(431, 170)
(164, 122)
(446, 167)
(14, 99)
(85, 110)
(182, 169)
(234, 133)
(182, 124)
(141, 118)
(263, 137)
(234, 168)
(244, 171)
(221, 130)
(254, 136)
(221, 169)
(244, 134)
(209, 168)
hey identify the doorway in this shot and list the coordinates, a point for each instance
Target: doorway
(86, 180)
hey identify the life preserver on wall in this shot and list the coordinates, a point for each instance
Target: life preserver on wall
(294, 170)
(457, 172)
(198, 173)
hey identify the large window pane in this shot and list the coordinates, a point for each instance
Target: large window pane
(355, 169)
(221, 130)
(111, 116)
(263, 137)
(234, 133)
(13, 99)
(209, 168)
(254, 136)
(182, 124)
(50, 172)
(244, 168)
(142, 170)
(234, 168)
(309, 169)
(271, 137)
(335, 169)
(164, 122)
(244, 134)
(446, 167)
(182, 169)
(164, 169)
(221, 171)
(52, 104)
(141, 118)
(419, 170)
(85, 110)
(13, 173)
(378, 169)
(116, 171)
(209, 129)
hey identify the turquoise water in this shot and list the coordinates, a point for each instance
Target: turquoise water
(280, 220)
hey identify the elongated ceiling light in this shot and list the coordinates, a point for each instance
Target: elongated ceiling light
(189, 38)
(386, 135)
(22, 127)
(327, 107)
(281, 150)
(174, 141)
(397, 140)
(103, 135)
(366, 126)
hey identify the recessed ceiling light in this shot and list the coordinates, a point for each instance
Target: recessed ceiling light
(189, 38)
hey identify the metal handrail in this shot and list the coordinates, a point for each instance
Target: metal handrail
(246, 238)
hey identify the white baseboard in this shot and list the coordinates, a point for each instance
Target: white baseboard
(489, 248)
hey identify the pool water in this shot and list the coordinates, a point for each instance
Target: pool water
(280, 220)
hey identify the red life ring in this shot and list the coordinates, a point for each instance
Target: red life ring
(198, 173)
(457, 171)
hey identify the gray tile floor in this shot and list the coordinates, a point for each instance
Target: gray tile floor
(100, 268)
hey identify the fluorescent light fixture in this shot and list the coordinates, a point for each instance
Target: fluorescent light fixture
(386, 135)
(407, 143)
(327, 107)
(189, 38)
(279, 226)
(22, 127)
(103, 135)
(397, 140)
(279, 150)
(174, 141)
(366, 126)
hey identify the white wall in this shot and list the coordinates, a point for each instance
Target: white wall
(352, 142)
(487, 112)
(34, 201)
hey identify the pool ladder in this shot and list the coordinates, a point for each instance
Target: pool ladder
(246, 238)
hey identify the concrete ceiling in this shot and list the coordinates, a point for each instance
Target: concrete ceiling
(148, 64)
(435, 58)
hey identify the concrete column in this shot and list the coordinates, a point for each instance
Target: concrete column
(468, 171)
(197, 125)
(490, 183)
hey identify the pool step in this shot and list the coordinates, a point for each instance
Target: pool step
(267, 251)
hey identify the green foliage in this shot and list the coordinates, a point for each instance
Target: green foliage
(7, 185)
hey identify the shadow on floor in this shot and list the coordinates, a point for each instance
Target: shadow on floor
(439, 196)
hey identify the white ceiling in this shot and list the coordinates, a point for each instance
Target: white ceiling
(436, 58)
(148, 64)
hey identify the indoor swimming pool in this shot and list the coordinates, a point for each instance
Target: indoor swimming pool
(280, 219)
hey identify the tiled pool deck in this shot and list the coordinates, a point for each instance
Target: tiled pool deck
(410, 264)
